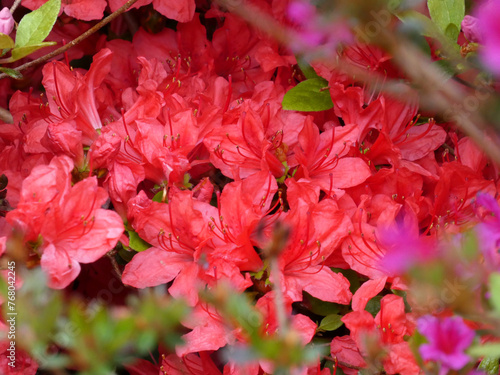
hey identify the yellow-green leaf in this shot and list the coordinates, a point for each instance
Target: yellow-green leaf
(6, 41)
(311, 95)
(35, 26)
(20, 52)
(447, 15)
(137, 243)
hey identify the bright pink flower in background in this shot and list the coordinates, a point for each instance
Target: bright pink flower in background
(472, 29)
(488, 230)
(488, 15)
(6, 21)
(448, 339)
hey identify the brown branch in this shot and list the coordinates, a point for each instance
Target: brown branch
(75, 41)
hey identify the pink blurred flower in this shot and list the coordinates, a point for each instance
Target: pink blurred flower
(472, 29)
(489, 19)
(405, 247)
(6, 21)
(488, 231)
(315, 30)
(448, 338)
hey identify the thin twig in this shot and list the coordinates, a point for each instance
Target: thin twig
(14, 6)
(75, 41)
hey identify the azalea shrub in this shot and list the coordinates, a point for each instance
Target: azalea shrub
(249, 187)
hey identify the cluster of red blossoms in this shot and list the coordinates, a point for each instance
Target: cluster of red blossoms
(194, 118)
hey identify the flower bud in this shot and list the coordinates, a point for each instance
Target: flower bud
(6, 21)
(471, 29)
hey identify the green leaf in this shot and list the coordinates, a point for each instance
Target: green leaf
(331, 322)
(420, 22)
(11, 73)
(320, 307)
(495, 290)
(35, 26)
(373, 305)
(308, 96)
(6, 41)
(447, 15)
(489, 365)
(487, 350)
(306, 69)
(136, 242)
(20, 52)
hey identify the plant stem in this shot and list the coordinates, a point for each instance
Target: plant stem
(14, 6)
(75, 41)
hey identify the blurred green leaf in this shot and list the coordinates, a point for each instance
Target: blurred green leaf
(11, 73)
(308, 96)
(85, 336)
(416, 340)
(448, 16)
(489, 365)
(36, 26)
(495, 291)
(331, 322)
(486, 350)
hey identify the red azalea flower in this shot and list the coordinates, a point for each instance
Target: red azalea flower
(65, 223)
(317, 229)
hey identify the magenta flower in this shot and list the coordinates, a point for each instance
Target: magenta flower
(405, 247)
(6, 21)
(314, 30)
(472, 29)
(488, 231)
(489, 19)
(448, 338)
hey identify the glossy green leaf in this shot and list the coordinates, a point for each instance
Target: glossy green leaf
(309, 96)
(20, 52)
(137, 243)
(35, 26)
(331, 322)
(11, 73)
(447, 15)
(6, 41)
